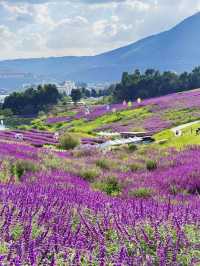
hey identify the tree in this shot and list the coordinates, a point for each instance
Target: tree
(31, 101)
(76, 95)
(93, 93)
(87, 93)
(125, 78)
(152, 83)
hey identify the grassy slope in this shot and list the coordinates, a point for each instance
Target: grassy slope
(88, 127)
(133, 120)
(122, 116)
(188, 137)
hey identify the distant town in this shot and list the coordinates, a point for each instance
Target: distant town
(65, 87)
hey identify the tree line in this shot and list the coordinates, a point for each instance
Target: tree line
(77, 94)
(31, 101)
(153, 83)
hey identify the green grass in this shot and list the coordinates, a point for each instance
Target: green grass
(188, 138)
(122, 116)
(181, 116)
(141, 193)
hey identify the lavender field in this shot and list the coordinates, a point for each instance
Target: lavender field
(151, 115)
(99, 133)
(74, 208)
(132, 205)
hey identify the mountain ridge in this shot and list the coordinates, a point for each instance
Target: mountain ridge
(175, 49)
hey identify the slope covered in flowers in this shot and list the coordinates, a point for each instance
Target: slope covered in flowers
(152, 115)
(132, 205)
(78, 208)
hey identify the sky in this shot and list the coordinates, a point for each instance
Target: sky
(42, 28)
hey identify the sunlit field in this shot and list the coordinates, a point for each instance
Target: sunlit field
(127, 205)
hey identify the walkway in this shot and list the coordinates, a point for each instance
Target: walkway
(184, 126)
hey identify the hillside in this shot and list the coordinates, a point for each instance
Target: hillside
(127, 205)
(151, 115)
(176, 49)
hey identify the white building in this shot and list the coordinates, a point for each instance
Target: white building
(97, 86)
(67, 87)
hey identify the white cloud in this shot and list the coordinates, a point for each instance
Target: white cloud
(83, 27)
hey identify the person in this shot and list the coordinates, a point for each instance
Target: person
(56, 136)
(178, 133)
(129, 104)
(198, 131)
(87, 110)
(19, 136)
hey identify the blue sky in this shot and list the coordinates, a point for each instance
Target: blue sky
(41, 28)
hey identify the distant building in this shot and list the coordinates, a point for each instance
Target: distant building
(97, 86)
(66, 87)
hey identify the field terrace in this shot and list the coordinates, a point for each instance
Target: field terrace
(152, 115)
(133, 205)
(39, 138)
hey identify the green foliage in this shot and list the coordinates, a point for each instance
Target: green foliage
(103, 164)
(89, 174)
(181, 116)
(68, 141)
(110, 186)
(6, 112)
(151, 165)
(132, 147)
(122, 116)
(15, 121)
(153, 83)
(5, 172)
(3, 248)
(36, 231)
(17, 231)
(135, 167)
(188, 137)
(141, 193)
(76, 95)
(20, 167)
(32, 100)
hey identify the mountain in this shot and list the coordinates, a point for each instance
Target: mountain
(176, 49)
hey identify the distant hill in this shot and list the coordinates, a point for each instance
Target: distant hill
(177, 49)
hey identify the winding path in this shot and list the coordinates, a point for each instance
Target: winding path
(184, 126)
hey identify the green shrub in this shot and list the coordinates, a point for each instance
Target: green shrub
(141, 193)
(17, 231)
(68, 141)
(151, 165)
(58, 125)
(89, 174)
(5, 172)
(20, 167)
(4, 249)
(110, 186)
(134, 167)
(132, 147)
(103, 164)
